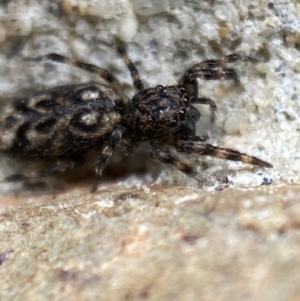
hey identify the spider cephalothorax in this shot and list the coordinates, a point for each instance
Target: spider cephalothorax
(157, 112)
(63, 125)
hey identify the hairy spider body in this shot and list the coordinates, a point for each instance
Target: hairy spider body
(63, 125)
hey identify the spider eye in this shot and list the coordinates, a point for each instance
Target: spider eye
(159, 87)
(182, 89)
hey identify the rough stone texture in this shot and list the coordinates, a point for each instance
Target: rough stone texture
(152, 243)
(134, 241)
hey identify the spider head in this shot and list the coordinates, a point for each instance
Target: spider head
(155, 113)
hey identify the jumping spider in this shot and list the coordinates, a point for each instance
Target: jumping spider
(65, 124)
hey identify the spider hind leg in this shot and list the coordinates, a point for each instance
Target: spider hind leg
(164, 156)
(201, 148)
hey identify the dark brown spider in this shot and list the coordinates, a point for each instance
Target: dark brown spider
(65, 125)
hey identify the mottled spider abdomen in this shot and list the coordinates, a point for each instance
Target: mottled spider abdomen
(60, 123)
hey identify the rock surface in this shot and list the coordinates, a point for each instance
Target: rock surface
(152, 243)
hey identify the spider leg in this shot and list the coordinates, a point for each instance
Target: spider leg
(203, 69)
(164, 156)
(212, 106)
(137, 82)
(107, 151)
(210, 74)
(201, 148)
(231, 58)
(103, 73)
(190, 83)
(207, 70)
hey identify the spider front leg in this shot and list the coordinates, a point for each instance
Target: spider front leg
(209, 74)
(207, 70)
(231, 58)
(200, 148)
(211, 70)
(212, 106)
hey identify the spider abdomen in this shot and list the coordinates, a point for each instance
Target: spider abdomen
(61, 122)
